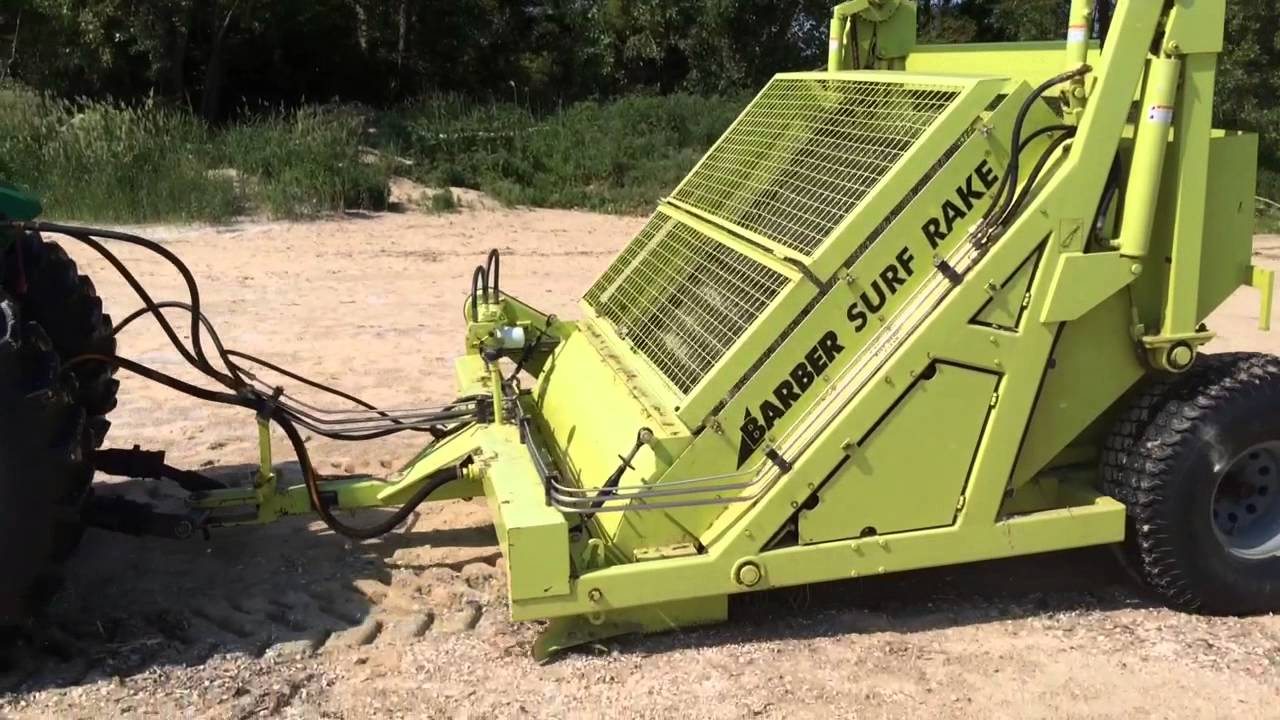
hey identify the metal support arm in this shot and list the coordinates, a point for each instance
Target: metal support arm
(869, 34)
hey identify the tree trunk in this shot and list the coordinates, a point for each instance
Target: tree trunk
(174, 84)
(401, 46)
(13, 48)
(215, 72)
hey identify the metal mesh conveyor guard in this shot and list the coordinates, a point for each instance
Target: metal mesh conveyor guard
(681, 298)
(807, 151)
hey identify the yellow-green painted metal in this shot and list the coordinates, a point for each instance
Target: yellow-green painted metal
(817, 362)
(863, 496)
(1030, 62)
(1150, 148)
(573, 631)
(1009, 299)
(267, 499)
(533, 536)
(1264, 281)
(871, 34)
(1109, 273)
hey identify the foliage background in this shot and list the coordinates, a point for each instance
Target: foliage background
(592, 103)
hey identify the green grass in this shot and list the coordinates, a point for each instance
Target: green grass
(621, 156)
(442, 201)
(112, 163)
(1268, 212)
(306, 162)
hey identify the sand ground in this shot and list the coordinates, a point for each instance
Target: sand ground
(293, 621)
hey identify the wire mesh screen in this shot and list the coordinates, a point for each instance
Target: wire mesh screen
(806, 152)
(682, 299)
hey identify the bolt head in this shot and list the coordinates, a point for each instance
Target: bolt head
(749, 575)
(1181, 357)
(595, 595)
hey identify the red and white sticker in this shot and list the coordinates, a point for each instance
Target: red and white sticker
(1077, 33)
(1162, 114)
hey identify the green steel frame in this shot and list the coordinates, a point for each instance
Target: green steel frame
(835, 369)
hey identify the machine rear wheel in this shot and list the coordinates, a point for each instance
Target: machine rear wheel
(50, 421)
(1197, 463)
(41, 459)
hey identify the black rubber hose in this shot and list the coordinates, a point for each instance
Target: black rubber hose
(168, 381)
(1026, 142)
(491, 269)
(1108, 199)
(429, 487)
(217, 341)
(245, 396)
(479, 280)
(146, 310)
(150, 305)
(1034, 177)
(1022, 146)
(1013, 170)
(311, 479)
(86, 234)
(326, 388)
(198, 360)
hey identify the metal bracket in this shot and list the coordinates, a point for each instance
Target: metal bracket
(1083, 281)
(1175, 353)
(1264, 281)
(950, 273)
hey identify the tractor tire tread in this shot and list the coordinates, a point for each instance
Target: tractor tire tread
(1166, 421)
(66, 304)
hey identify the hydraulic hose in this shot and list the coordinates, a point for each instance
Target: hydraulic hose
(491, 269)
(168, 381)
(1034, 177)
(429, 487)
(234, 377)
(1010, 187)
(1109, 197)
(280, 418)
(87, 236)
(479, 282)
(213, 336)
(244, 394)
(435, 431)
(1003, 186)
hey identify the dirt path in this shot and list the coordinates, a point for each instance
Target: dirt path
(291, 620)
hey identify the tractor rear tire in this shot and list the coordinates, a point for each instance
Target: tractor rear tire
(66, 304)
(50, 421)
(41, 458)
(1196, 461)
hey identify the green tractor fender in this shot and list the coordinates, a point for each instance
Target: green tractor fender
(17, 205)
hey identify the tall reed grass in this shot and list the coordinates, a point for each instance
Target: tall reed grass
(108, 162)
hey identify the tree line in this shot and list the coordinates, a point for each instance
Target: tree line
(224, 57)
